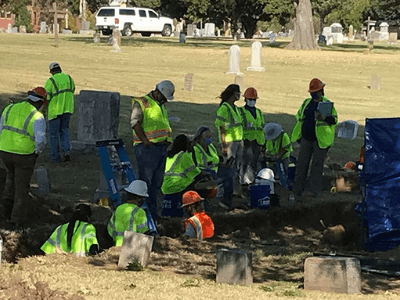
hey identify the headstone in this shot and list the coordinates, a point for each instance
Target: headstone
(348, 129)
(96, 38)
(209, 29)
(188, 85)
(321, 39)
(14, 30)
(135, 247)
(42, 176)
(116, 41)
(97, 119)
(239, 81)
(351, 32)
(272, 38)
(43, 28)
(85, 27)
(202, 32)
(375, 82)
(9, 28)
(218, 32)
(326, 31)
(256, 53)
(234, 60)
(329, 41)
(339, 38)
(182, 37)
(66, 31)
(2, 30)
(234, 266)
(22, 29)
(392, 38)
(332, 274)
(190, 29)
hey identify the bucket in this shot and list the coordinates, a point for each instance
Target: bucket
(260, 196)
(171, 205)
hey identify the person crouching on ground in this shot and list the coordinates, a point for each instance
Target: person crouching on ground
(129, 216)
(78, 236)
(199, 225)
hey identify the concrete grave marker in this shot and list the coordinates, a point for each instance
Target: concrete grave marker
(329, 40)
(42, 176)
(135, 247)
(116, 41)
(43, 28)
(256, 53)
(272, 38)
(392, 38)
(9, 28)
(97, 119)
(22, 29)
(96, 38)
(234, 266)
(190, 29)
(234, 60)
(332, 274)
(14, 30)
(209, 29)
(375, 82)
(339, 38)
(85, 27)
(188, 85)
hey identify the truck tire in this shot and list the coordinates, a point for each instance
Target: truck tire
(167, 30)
(127, 30)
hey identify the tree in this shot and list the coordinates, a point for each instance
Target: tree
(304, 35)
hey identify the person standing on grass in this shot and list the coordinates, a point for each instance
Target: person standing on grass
(230, 133)
(151, 138)
(22, 138)
(60, 92)
(315, 132)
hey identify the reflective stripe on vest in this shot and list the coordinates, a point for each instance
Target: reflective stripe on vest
(253, 127)
(60, 91)
(24, 130)
(121, 233)
(57, 242)
(204, 154)
(197, 226)
(181, 174)
(232, 122)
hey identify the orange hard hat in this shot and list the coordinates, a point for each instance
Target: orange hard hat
(212, 192)
(190, 197)
(38, 92)
(250, 93)
(350, 165)
(315, 85)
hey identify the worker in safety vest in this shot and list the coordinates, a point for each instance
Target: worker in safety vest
(22, 138)
(151, 138)
(199, 225)
(60, 92)
(77, 236)
(315, 131)
(253, 139)
(129, 216)
(230, 133)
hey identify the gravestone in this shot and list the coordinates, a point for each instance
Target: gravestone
(332, 274)
(85, 27)
(66, 31)
(272, 38)
(375, 82)
(326, 31)
(209, 29)
(351, 32)
(96, 38)
(234, 60)
(43, 28)
(190, 29)
(188, 85)
(97, 119)
(392, 38)
(22, 29)
(329, 41)
(256, 53)
(14, 30)
(42, 176)
(116, 41)
(339, 38)
(321, 39)
(135, 247)
(9, 28)
(239, 81)
(348, 129)
(182, 37)
(2, 30)
(234, 266)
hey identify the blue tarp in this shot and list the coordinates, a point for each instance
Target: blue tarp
(382, 179)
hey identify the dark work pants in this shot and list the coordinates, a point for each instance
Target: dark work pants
(308, 150)
(16, 199)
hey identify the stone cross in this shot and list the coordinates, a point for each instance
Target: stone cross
(256, 51)
(234, 60)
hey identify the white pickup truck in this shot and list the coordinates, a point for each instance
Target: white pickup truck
(132, 19)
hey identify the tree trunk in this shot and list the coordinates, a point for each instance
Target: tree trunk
(250, 26)
(304, 36)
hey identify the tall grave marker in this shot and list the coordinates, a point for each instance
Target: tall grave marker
(256, 52)
(234, 60)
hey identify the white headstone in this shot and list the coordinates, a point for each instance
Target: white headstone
(256, 53)
(209, 29)
(234, 60)
(22, 29)
(190, 29)
(339, 38)
(9, 28)
(43, 28)
(135, 247)
(326, 32)
(329, 40)
(392, 38)
(384, 27)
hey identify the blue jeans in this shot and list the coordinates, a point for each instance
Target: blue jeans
(151, 168)
(59, 135)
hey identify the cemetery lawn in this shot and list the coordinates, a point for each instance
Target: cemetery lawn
(280, 238)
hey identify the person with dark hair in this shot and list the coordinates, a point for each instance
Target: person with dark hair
(22, 138)
(77, 236)
(60, 92)
(230, 133)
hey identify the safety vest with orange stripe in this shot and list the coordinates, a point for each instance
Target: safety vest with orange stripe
(203, 225)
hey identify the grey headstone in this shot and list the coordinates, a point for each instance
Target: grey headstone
(234, 60)
(272, 38)
(190, 29)
(256, 53)
(188, 85)
(85, 25)
(321, 39)
(14, 30)
(333, 274)
(182, 37)
(96, 38)
(116, 41)
(135, 247)
(22, 29)
(234, 266)
(375, 82)
(66, 31)
(43, 28)
(209, 29)
(43, 180)
(97, 119)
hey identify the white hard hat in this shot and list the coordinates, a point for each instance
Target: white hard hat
(166, 88)
(266, 174)
(137, 187)
(272, 130)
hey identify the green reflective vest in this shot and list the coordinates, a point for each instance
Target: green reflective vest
(60, 90)
(83, 238)
(229, 118)
(180, 172)
(282, 141)
(253, 128)
(128, 217)
(206, 160)
(17, 135)
(325, 133)
(155, 121)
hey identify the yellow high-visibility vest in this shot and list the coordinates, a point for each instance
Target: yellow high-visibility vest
(253, 128)
(229, 118)
(60, 90)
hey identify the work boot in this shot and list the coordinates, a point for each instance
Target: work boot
(67, 158)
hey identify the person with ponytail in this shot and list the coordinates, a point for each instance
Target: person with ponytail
(77, 236)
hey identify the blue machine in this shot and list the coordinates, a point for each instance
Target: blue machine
(120, 162)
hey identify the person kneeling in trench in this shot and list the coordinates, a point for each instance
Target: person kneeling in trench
(78, 236)
(199, 225)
